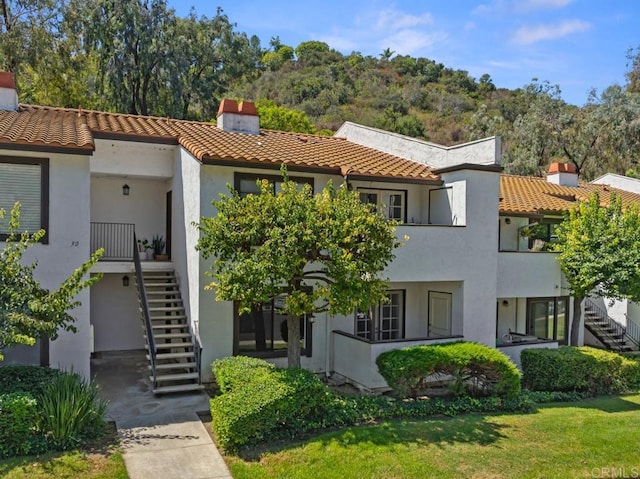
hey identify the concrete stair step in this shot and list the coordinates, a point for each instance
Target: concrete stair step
(160, 285)
(178, 389)
(168, 326)
(163, 293)
(157, 309)
(169, 366)
(171, 335)
(180, 345)
(161, 356)
(174, 377)
(164, 300)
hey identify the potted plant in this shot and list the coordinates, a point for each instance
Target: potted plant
(143, 248)
(158, 244)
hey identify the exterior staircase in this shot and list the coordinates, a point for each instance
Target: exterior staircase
(172, 350)
(609, 332)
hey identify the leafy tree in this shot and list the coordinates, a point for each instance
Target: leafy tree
(599, 249)
(27, 29)
(28, 311)
(275, 117)
(633, 75)
(604, 135)
(325, 252)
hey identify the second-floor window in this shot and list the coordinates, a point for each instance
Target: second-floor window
(25, 180)
(392, 203)
(246, 183)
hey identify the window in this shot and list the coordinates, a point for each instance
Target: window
(548, 318)
(542, 235)
(263, 332)
(25, 180)
(387, 322)
(245, 183)
(390, 202)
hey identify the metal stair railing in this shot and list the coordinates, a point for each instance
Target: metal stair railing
(197, 349)
(613, 331)
(633, 332)
(145, 310)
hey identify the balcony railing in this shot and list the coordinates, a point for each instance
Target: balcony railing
(115, 238)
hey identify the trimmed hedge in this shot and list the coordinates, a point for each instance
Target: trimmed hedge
(18, 416)
(260, 401)
(470, 369)
(582, 369)
(30, 379)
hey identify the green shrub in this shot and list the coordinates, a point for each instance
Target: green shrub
(582, 369)
(470, 369)
(260, 401)
(70, 410)
(235, 370)
(30, 379)
(18, 413)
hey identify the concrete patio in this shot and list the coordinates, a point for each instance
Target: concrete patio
(161, 436)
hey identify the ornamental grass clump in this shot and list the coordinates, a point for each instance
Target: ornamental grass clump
(70, 411)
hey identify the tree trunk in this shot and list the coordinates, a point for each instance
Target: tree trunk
(576, 322)
(293, 343)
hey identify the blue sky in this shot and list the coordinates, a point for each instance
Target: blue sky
(577, 44)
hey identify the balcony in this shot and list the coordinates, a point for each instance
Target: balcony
(525, 274)
(355, 357)
(117, 240)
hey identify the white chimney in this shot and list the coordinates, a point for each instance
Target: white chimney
(562, 174)
(8, 95)
(235, 117)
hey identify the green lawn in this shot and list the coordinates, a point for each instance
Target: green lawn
(593, 439)
(100, 459)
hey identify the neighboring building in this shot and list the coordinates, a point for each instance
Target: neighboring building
(92, 179)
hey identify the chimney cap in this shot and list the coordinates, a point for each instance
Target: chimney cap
(247, 108)
(243, 108)
(6, 80)
(562, 168)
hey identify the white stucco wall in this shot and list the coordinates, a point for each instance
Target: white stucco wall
(618, 181)
(529, 274)
(185, 188)
(114, 314)
(461, 254)
(68, 247)
(510, 237)
(145, 206)
(128, 159)
(482, 152)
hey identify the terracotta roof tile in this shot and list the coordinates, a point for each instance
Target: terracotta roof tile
(207, 142)
(39, 127)
(533, 196)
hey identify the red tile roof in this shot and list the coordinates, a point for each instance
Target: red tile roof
(527, 195)
(74, 128)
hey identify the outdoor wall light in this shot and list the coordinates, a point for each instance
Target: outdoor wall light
(125, 280)
(505, 303)
(125, 189)
(507, 221)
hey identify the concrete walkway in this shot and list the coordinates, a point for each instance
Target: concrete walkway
(162, 437)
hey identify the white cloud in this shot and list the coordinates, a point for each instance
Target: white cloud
(548, 3)
(408, 42)
(505, 7)
(373, 31)
(394, 20)
(533, 34)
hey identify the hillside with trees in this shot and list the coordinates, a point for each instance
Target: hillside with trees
(140, 57)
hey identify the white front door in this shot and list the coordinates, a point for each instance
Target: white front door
(439, 314)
